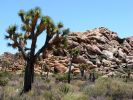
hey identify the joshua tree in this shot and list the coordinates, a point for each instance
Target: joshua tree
(83, 67)
(73, 53)
(60, 47)
(44, 67)
(92, 76)
(33, 24)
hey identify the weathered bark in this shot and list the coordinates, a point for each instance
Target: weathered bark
(82, 72)
(47, 74)
(29, 76)
(92, 77)
(69, 72)
(32, 72)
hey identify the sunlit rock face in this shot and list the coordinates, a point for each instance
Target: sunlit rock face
(100, 48)
(101, 44)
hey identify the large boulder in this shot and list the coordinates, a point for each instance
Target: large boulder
(93, 48)
(81, 59)
(108, 54)
(59, 68)
(106, 63)
(130, 41)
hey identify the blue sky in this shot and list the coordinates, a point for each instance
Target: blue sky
(78, 15)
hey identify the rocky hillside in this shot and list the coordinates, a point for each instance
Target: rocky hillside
(11, 62)
(100, 49)
(104, 50)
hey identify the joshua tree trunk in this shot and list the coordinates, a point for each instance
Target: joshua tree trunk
(29, 75)
(82, 72)
(92, 77)
(69, 72)
(47, 74)
(32, 72)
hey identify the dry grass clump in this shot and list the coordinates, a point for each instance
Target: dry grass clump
(75, 96)
(110, 88)
(50, 89)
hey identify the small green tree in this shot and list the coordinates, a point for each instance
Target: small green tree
(73, 53)
(33, 24)
(44, 67)
(82, 68)
(92, 76)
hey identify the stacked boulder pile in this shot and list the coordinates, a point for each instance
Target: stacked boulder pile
(100, 49)
(11, 62)
(104, 50)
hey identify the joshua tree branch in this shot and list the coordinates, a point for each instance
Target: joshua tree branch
(22, 51)
(27, 48)
(48, 38)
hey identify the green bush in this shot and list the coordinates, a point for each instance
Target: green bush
(48, 95)
(5, 74)
(3, 82)
(75, 96)
(61, 77)
(64, 88)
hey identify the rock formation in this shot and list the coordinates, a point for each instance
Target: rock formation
(100, 48)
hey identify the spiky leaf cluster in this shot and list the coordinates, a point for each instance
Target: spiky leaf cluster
(33, 24)
(14, 36)
(83, 66)
(74, 52)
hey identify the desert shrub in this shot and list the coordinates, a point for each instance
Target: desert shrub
(1, 92)
(48, 95)
(9, 92)
(97, 74)
(112, 88)
(100, 98)
(4, 78)
(3, 82)
(75, 96)
(61, 77)
(64, 88)
(77, 83)
(5, 74)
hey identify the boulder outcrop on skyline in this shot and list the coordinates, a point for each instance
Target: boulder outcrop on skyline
(101, 49)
